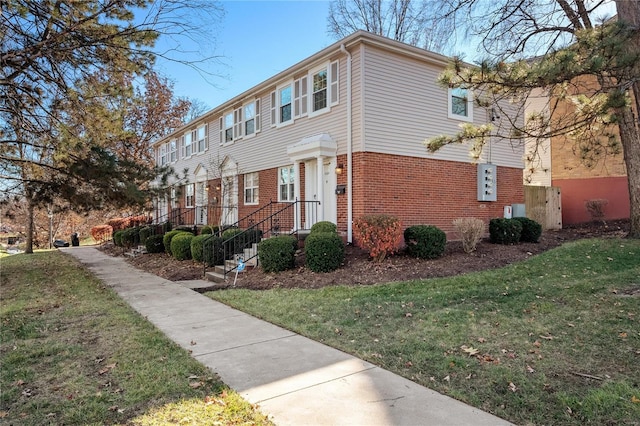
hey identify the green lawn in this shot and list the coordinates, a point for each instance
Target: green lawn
(552, 340)
(72, 352)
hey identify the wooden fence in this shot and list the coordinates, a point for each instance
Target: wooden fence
(542, 204)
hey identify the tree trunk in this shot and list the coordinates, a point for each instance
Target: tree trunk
(30, 209)
(629, 123)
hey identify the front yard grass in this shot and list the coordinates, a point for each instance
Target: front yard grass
(72, 352)
(551, 340)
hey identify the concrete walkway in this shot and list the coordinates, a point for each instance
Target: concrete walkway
(294, 380)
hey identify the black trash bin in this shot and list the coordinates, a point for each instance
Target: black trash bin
(75, 241)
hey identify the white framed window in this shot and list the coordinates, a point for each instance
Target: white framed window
(319, 90)
(251, 188)
(227, 128)
(202, 143)
(173, 151)
(251, 113)
(188, 144)
(286, 182)
(174, 199)
(162, 154)
(460, 104)
(281, 105)
(189, 194)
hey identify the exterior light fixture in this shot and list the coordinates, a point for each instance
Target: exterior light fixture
(339, 169)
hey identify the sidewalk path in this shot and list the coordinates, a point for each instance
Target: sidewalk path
(294, 380)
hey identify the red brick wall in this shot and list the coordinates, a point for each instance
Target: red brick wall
(427, 191)
(576, 192)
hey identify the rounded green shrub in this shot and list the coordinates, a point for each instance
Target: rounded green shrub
(181, 246)
(117, 238)
(193, 230)
(277, 253)
(154, 244)
(425, 241)
(197, 247)
(324, 251)
(145, 232)
(166, 227)
(531, 230)
(504, 231)
(206, 230)
(131, 237)
(212, 253)
(324, 226)
(166, 240)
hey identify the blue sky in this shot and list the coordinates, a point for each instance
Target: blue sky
(256, 40)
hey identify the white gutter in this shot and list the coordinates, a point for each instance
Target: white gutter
(349, 149)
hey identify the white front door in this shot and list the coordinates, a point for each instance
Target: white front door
(229, 200)
(202, 200)
(323, 191)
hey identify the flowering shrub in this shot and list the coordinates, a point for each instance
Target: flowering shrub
(101, 233)
(379, 234)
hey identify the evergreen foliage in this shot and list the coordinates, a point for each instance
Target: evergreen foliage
(324, 251)
(166, 239)
(277, 253)
(181, 246)
(531, 230)
(324, 226)
(425, 241)
(154, 244)
(505, 231)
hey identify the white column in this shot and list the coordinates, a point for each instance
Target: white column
(297, 191)
(320, 189)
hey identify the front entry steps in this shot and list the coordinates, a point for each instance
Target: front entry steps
(217, 275)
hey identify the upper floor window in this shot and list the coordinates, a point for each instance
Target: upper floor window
(284, 104)
(162, 154)
(460, 104)
(187, 145)
(251, 183)
(319, 90)
(173, 151)
(203, 141)
(228, 128)
(286, 181)
(251, 118)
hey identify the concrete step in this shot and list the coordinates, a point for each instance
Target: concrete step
(215, 276)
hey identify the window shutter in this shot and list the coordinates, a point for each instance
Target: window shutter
(296, 98)
(258, 118)
(333, 87)
(274, 108)
(222, 130)
(304, 95)
(237, 123)
(206, 137)
(182, 148)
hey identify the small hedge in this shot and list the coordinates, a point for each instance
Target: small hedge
(197, 247)
(145, 232)
(277, 253)
(206, 230)
(181, 246)
(154, 244)
(131, 237)
(425, 241)
(117, 238)
(193, 230)
(324, 251)
(324, 226)
(505, 231)
(531, 230)
(166, 240)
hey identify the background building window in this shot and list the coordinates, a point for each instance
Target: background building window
(189, 195)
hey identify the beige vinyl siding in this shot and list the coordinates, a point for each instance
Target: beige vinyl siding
(537, 170)
(404, 105)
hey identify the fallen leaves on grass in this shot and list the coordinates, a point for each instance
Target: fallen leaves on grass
(469, 350)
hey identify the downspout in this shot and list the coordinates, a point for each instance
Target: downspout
(349, 149)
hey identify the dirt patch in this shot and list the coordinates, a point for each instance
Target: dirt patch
(358, 269)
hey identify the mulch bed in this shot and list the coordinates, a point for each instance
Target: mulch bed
(358, 269)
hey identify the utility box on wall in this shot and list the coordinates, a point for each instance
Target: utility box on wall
(487, 182)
